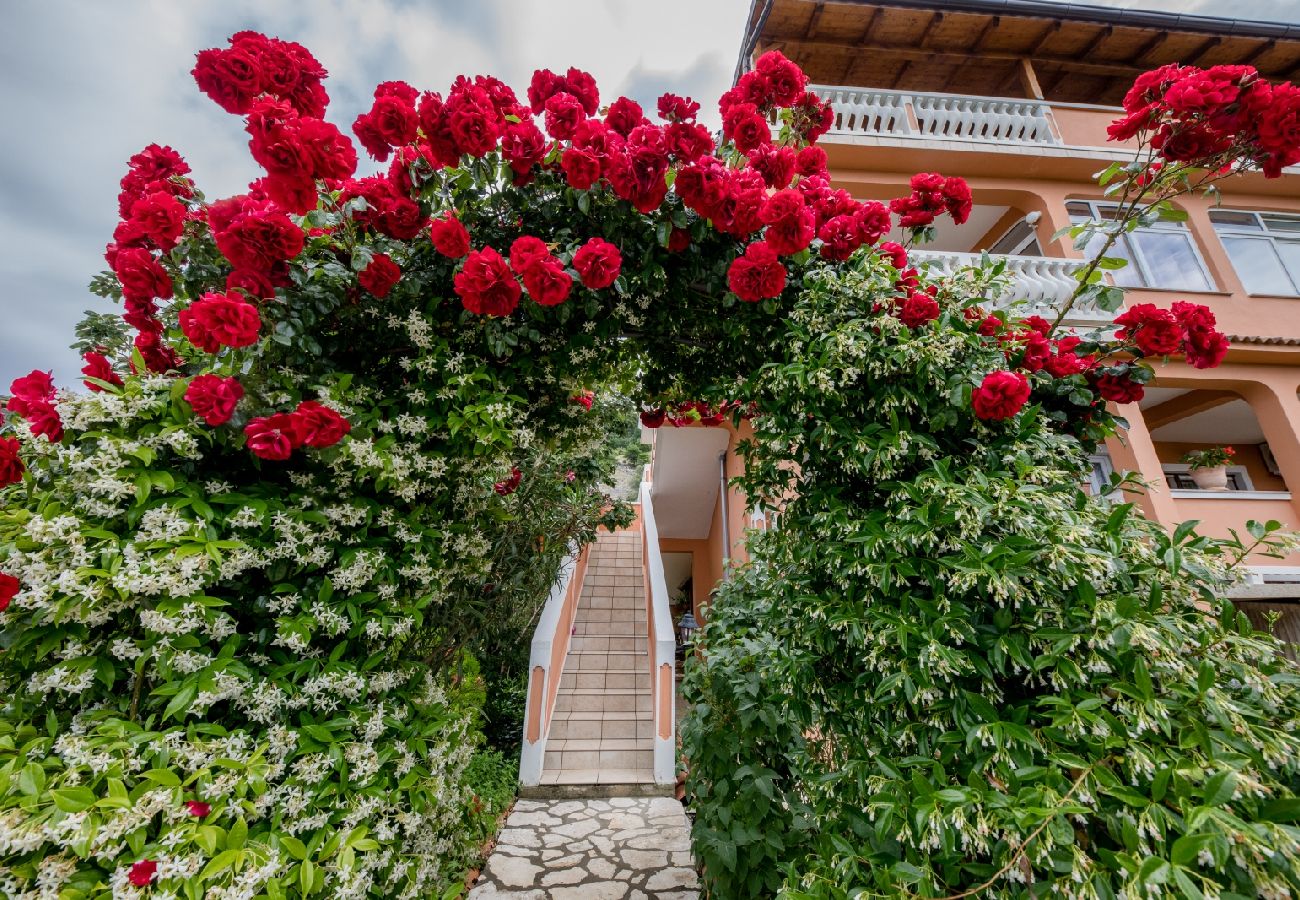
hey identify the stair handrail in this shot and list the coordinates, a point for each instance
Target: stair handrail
(662, 647)
(554, 625)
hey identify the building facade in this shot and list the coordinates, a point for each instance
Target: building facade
(1015, 98)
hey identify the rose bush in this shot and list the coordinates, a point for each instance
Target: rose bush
(334, 459)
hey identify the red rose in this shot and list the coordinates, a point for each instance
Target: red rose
(1119, 388)
(32, 389)
(757, 274)
(1155, 331)
(653, 418)
(141, 276)
(547, 282)
(598, 263)
(918, 309)
(198, 809)
(319, 426)
(775, 164)
(449, 236)
(158, 357)
(230, 77)
(785, 80)
(623, 115)
(811, 161)
(511, 484)
(523, 146)
(273, 437)
(1205, 350)
(255, 284)
(840, 237)
(214, 398)
(257, 241)
(1190, 143)
(1000, 395)
(11, 464)
(98, 366)
(873, 221)
(472, 120)
(584, 399)
(678, 240)
(220, 320)
(746, 127)
(1065, 361)
(673, 108)
(161, 217)
(9, 588)
(486, 285)
(896, 254)
(380, 276)
(581, 167)
(142, 873)
(525, 250)
(45, 422)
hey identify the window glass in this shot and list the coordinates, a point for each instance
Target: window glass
(1290, 253)
(1285, 224)
(1021, 239)
(1239, 221)
(1258, 265)
(1170, 260)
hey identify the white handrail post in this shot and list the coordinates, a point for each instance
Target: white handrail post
(663, 683)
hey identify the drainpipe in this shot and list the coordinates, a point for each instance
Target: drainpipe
(726, 525)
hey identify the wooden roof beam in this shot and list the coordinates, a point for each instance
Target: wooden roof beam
(1249, 59)
(1159, 38)
(929, 29)
(1185, 405)
(1195, 58)
(1096, 42)
(902, 71)
(814, 20)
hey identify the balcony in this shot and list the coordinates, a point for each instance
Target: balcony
(1039, 285)
(995, 120)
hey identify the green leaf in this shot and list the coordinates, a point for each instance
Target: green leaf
(73, 799)
(1220, 788)
(219, 863)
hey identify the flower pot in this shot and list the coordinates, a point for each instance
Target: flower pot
(1211, 479)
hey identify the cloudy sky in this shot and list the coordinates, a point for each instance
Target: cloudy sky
(85, 84)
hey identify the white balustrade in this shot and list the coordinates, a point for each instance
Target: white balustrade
(662, 646)
(1038, 285)
(868, 111)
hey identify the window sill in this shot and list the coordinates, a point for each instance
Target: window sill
(1164, 290)
(1273, 296)
(1180, 494)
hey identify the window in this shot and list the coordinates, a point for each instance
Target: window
(1162, 255)
(1264, 249)
(1021, 239)
(1179, 478)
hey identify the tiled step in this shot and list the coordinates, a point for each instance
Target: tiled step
(619, 643)
(604, 660)
(598, 776)
(637, 628)
(639, 681)
(603, 701)
(598, 759)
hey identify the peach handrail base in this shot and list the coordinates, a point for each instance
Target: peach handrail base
(662, 647)
(547, 654)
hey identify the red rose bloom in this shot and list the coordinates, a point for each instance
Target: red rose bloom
(486, 285)
(918, 309)
(214, 398)
(811, 161)
(380, 276)
(523, 145)
(525, 250)
(757, 274)
(258, 240)
(161, 217)
(623, 115)
(220, 320)
(98, 366)
(449, 236)
(840, 237)
(547, 282)
(653, 418)
(30, 392)
(141, 276)
(790, 223)
(11, 464)
(584, 399)
(1119, 388)
(678, 240)
(142, 873)
(1000, 395)
(319, 426)
(273, 437)
(198, 809)
(581, 167)
(598, 263)
(511, 484)
(1155, 331)
(746, 127)
(9, 588)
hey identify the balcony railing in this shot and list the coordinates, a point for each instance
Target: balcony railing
(1039, 285)
(881, 113)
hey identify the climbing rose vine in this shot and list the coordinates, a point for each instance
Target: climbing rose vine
(329, 450)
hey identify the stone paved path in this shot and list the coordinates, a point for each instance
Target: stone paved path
(622, 848)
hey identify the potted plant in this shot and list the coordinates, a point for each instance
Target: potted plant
(1209, 467)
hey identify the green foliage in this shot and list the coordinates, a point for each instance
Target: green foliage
(949, 670)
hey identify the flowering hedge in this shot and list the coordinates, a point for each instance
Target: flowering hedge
(345, 427)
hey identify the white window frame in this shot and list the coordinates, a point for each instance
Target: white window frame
(1238, 472)
(1099, 477)
(1262, 233)
(1137, 261)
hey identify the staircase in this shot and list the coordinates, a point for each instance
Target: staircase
(602, 730)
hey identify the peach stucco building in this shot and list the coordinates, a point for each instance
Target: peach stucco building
(1014, 96)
